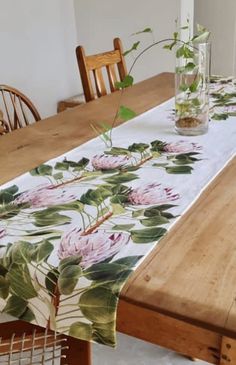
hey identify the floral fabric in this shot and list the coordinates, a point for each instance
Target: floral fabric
(73, 229)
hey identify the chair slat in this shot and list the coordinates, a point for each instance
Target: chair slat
(99, 82)
(15, 104)
(112, 77)
(94, 64)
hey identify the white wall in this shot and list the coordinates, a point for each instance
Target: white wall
(98, 22)
(220, 18)
(37, 41)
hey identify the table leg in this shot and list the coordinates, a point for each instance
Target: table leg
(228, 351)
(78, 352)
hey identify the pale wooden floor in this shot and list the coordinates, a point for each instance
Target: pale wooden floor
(130, 351)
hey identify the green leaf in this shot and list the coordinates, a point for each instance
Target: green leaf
(105, 271)
(221, 116)
(128, 81)
(125, 113)
(64, 166)
(45, 170)
(58, 176)
(185, 52)
(27, 316)
(117, 209)
(116, 151)
(68, 261)
(48, 217)
(51, 281)
(98, 305)
(155, 221)
(104, 333)
(42, 251)
(81, 330)
(121, 178)
(179, 169)
(158, 146)
(20, 282)
(96, 196)
(138, 147)
(123, 227)
(68, 279)
(194, 86)
(133, 48)
(10, 210)
(128, 261)
(7, 195)
(137, 213)
(16, 306)
(21, 252)
(4, 287)
(147, 235)
(146, 30)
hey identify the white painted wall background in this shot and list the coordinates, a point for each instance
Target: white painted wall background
(37, 41)
(219, 16)
(98, 22)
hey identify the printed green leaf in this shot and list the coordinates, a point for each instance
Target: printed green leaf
(98, 305)
(21, 252)
(81, 330)
(7, 195)
(51, 281)
(137, 213)
(45, 170)
(27, 316)
(68, 279)
(147, 235)
(96, 196)
(126, 113)
(123, 227)
(179, 169)
(121, 178)
(16, 306)
(10, 210)
(155, 221)
(58, 176)
(42, 251)
(64, 166)
(128, 81)
(48, 217)
(158, 146)
(128, 261)
(68, 261)
(116, 151)
(20, 282)
(117, 209)
(104, 333)
(138, 147)
(105, 271)
(220, 116)
(4, 287)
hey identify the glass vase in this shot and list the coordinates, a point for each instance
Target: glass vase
(192, 89)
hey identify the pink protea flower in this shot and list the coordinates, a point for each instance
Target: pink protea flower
(152, 194)
(181, 147)
(92, 248)
(109, 162)
(2, 232)
(44, 196)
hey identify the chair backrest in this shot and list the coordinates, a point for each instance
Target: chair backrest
(94, 64)
(18, 110)
(4, 128)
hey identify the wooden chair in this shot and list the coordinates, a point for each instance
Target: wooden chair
(19, 110)
(4, 128)
(95, 64)
(24, 343)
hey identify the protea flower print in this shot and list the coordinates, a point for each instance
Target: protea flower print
(2, 232)
(152, 194)
(109, 162)
(92, 248)
(45, 196)
(181, 147)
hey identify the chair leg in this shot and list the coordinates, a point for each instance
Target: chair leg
(78, 352)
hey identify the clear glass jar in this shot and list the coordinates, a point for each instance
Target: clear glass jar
(192, 89)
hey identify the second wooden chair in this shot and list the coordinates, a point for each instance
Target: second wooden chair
(94, 64)
(17, 110)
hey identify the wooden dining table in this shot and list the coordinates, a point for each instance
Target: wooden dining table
(182, 296)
